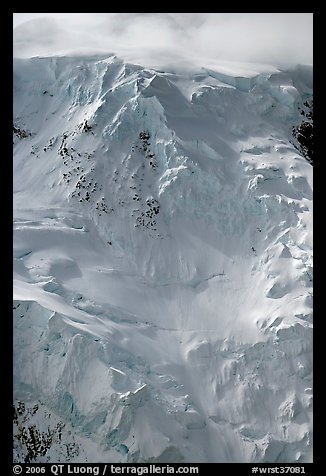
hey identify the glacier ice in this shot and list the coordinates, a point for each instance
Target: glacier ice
(162, 264)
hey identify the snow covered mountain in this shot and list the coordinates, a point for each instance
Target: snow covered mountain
(162, 263)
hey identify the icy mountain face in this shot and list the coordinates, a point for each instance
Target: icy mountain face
(162, 264)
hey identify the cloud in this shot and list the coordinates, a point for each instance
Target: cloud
(275, 38)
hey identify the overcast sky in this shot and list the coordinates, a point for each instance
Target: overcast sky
(276, 38)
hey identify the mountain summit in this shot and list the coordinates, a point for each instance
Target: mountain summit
(162, 262)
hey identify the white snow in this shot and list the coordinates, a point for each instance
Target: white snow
(163, 260)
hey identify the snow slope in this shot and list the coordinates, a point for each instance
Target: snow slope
(162, 263)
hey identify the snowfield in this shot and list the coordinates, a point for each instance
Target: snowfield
(162, 263)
